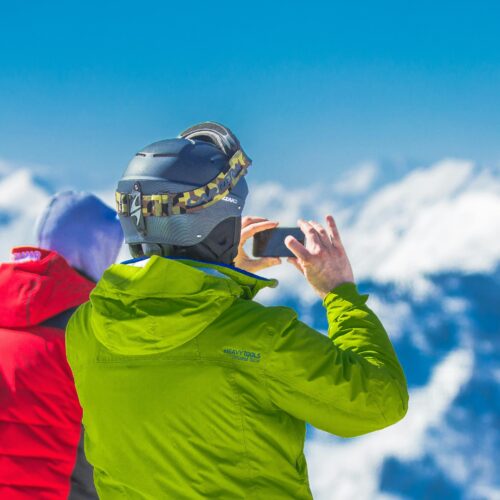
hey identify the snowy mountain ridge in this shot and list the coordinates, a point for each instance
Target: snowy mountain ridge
(425, 246)
(436, 219)
(442, 218)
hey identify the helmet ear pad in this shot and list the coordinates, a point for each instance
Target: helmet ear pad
(220, 246)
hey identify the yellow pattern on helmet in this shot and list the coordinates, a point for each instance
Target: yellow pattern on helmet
(166, 204)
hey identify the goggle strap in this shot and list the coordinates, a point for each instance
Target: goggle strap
(166, 204)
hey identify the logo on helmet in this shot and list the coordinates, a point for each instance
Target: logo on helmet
(136, 208)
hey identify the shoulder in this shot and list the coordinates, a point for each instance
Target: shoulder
(274, 318)
(246, 325)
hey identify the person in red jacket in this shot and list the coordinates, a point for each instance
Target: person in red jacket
(41, 454)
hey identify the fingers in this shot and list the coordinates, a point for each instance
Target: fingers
(296, 248)
(256, 227)
(332, 230)
(324, 237)
(310, 233)
(251, 219)
(305, 227)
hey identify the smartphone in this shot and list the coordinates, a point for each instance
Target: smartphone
(271, 243)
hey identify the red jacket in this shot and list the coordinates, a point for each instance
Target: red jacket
(40, 417)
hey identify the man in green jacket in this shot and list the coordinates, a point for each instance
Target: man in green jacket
(190, 388)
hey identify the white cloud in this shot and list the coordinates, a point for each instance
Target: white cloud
(108, 197)
(438, 219)
(394, 315)
(357, 180)
(4, 167)
(350, 469)
(286, 205)
(441, 218)
(21, 203)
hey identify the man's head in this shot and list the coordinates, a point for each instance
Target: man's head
(184, 197)
(82, 229)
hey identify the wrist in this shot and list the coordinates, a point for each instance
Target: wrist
(324, 291)
(346, 291)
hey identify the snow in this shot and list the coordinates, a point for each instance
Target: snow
(438, 219)
(442, 218)
(434, 220)
(351, 469)
(21, 202)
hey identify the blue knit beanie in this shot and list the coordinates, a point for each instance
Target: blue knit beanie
(82, 229)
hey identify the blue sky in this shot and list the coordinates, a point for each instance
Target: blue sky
(311, 88)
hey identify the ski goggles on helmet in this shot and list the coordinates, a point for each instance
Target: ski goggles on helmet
(137, 204)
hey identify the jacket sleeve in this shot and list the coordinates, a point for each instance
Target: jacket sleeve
(348, 383)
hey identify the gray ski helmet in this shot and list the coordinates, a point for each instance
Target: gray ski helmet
(175, 192)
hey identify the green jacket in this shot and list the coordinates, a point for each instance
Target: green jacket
(190, 389)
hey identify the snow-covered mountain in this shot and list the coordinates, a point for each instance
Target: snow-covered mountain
(441, 218)
(21, 201)
(425, 245)
(448, 445)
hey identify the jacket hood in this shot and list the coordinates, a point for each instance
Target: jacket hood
(81, 228)
(160, 303)
(38, 285)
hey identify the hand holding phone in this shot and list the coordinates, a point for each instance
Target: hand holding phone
(322, 259)
(271, 242)
(251, 226)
